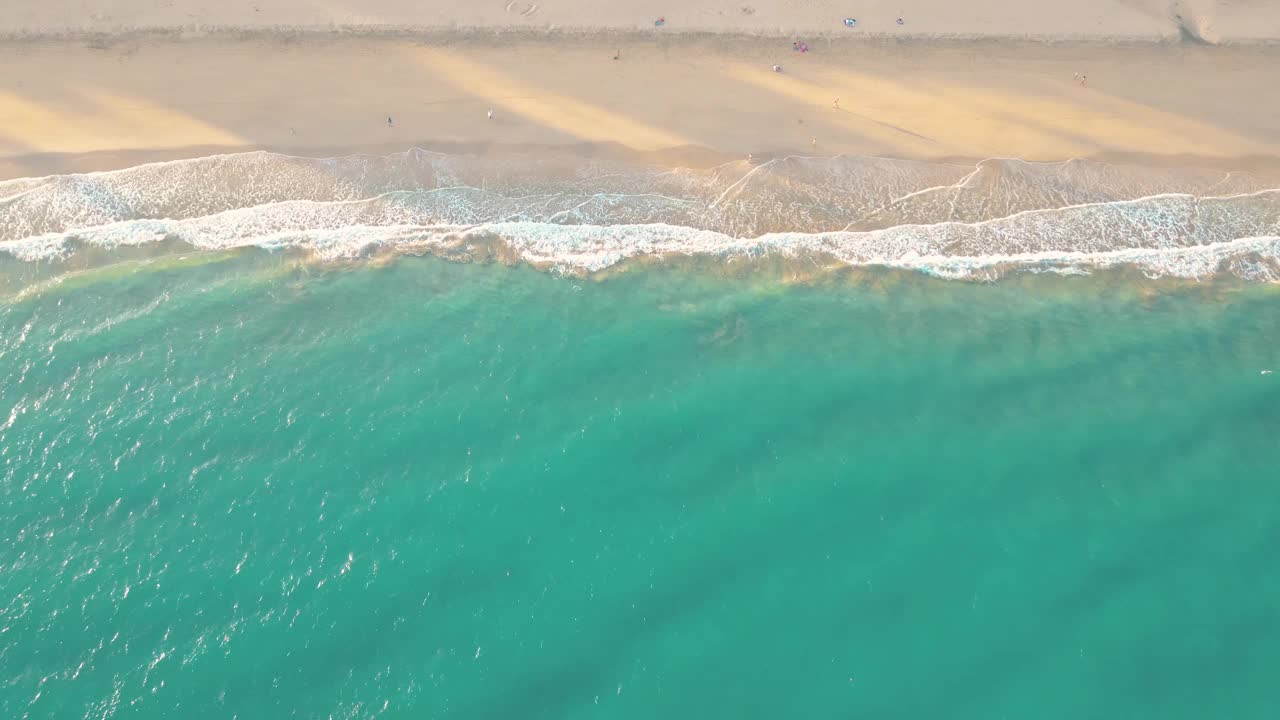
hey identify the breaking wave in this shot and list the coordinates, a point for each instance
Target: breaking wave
(581, 214)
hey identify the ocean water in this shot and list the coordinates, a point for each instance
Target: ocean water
(274, 445)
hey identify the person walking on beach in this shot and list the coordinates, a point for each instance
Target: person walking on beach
(388, 121)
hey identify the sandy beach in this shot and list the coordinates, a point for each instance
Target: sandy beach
(130, 81)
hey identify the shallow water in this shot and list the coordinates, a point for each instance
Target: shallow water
(242, 484)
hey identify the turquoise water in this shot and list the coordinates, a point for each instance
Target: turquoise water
(242, 486)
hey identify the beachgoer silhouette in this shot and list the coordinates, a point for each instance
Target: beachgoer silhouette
(388, 121)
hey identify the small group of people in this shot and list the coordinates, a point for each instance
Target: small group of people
(391, 124)
(852, 22)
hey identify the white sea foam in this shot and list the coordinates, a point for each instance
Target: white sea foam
(582, 215)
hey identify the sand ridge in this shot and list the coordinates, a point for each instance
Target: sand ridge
(1204, 20)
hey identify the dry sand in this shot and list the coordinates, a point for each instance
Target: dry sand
(105, 101)
(1212, 20)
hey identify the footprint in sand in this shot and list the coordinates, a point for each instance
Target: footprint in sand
(524, 9)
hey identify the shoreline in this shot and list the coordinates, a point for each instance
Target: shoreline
(695, 158)
(584, 213)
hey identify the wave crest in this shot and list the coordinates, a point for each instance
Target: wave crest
(582, 214)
